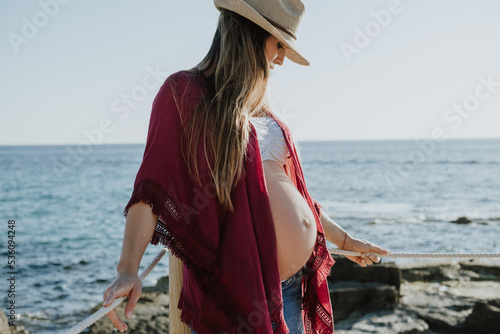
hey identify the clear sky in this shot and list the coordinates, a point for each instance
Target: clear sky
(379, 69)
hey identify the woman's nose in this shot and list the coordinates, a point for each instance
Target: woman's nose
(281, 57)
(279, 60)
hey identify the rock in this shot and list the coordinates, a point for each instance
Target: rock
(19, 330)
(436, 297)
(4, 324)
(484, 317)
(161, 286)
(430, 271)
(385, 322)
(485, 271)
(360, 296)
(439, 271)
(150, 316)
(462, 220)
(346, 270)
(459, 297)
(6, 329)
(476, 290)
(163, 283)
(356, 288)
(441, 310)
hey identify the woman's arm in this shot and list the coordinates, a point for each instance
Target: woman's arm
(333, 232)
(336, 235)
(140, 225)
(139, 228)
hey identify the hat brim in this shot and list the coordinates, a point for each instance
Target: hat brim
(245, 10)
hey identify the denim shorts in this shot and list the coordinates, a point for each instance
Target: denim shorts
(291, 289)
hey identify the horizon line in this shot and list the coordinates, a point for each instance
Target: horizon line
(305, 140)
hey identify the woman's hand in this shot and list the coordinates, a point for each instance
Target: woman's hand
(366, 248)
(129, 285)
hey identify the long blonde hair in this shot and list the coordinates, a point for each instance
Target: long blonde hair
(238, 74)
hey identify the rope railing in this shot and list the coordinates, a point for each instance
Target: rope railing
(105, 310)
(420, 255)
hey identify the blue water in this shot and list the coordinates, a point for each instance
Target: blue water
(68, 207)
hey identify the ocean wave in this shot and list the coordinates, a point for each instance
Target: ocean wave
(403, 213)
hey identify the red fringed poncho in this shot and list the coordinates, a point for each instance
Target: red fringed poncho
(231, 278)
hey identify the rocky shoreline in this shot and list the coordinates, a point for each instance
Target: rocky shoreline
(431, 297)
(436, 297)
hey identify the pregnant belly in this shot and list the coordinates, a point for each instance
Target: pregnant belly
(293, 220)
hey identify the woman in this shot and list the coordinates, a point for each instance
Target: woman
(222, 186)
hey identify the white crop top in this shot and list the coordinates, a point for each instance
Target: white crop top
(271, 141)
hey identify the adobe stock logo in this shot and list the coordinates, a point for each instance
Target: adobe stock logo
(364, 36)
(31, 26)
(453, 117)
(122, 106)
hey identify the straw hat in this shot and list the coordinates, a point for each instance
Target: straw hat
(281, 18)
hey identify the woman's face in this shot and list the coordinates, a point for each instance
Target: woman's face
(275, 52)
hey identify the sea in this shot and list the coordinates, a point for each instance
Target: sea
(65, 204)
